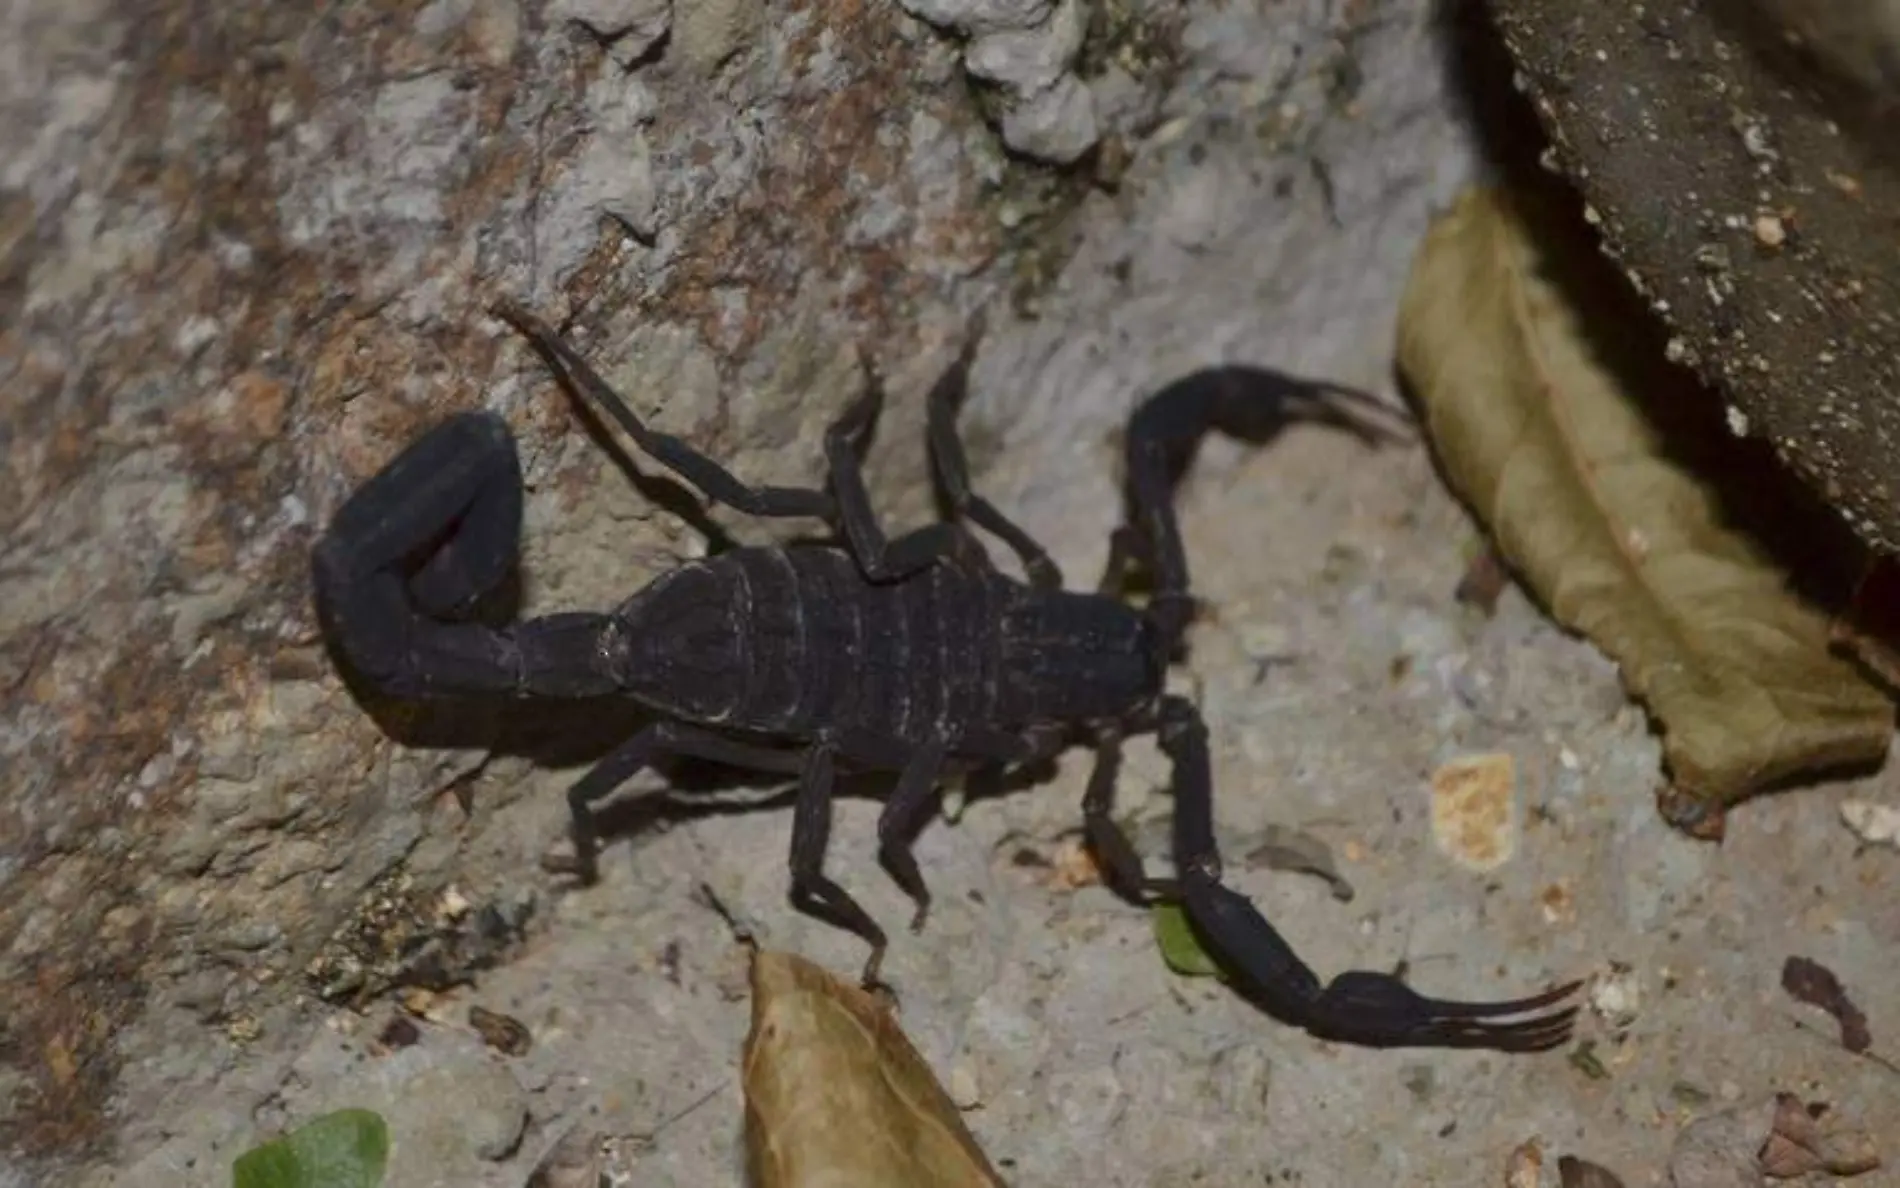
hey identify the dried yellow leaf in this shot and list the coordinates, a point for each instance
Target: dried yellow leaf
(836, 1095)
(1538, 431)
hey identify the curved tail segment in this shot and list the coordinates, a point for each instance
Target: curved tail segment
(1361, 1007)
(421, 543)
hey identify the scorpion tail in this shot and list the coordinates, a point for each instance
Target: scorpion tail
(425, 540)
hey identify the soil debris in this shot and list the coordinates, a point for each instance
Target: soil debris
(1815, 984)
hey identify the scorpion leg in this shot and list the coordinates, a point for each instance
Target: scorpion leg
(812, 891)
(640, 751)
(848, 512)
(897, 825)
(714, 481)
(1123, 547)
(1361, 1006)
(917, 789)
(953, 470)
(456, 492)
(882, 559)
(1120, 860)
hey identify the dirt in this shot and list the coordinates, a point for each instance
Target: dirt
(207, 808)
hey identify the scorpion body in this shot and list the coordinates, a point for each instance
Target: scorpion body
(912, 655)
(793, 642)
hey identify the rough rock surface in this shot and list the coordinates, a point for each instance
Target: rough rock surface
(1751, 205)
(246, 251)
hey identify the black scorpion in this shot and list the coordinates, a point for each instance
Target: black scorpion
(912, 655)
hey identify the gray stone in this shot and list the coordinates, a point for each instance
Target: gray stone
(1029, 59)
(974, 18)
(1056, 124)
(629, 27)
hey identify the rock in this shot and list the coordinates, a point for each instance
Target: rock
(452, 1107)
(629, 28)
(1056, 124)
(1683, 127)
(708, 32)
(1029, 60)
(974, 18)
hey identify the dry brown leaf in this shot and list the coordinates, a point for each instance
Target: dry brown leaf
(1799, 1145)
(1573, 1172)
(1619, 541)
(836, 1095)
(1524, 1168)
(1870, 626)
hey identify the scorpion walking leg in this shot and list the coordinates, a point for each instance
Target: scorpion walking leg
(639, 752)
(897, 825)
(457, 492)
(881, 558)
(1361, 1006)
(849, 512)
(1111, 843)
(714, 481)
(953, 470)
(1112, 846)
(917, 791)
(1123, 548)
(884, 559)
(812, 891)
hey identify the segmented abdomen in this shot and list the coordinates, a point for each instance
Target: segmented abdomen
(825, 649)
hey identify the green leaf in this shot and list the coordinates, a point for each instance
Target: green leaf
(345, 1149)
(1180, 948)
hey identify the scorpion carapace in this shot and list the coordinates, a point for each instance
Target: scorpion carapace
(913, 655)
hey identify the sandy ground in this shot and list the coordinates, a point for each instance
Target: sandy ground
(1337, 673)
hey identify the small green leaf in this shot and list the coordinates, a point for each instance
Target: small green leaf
(1180, 948)
(1585, 1060)
(345, 1149)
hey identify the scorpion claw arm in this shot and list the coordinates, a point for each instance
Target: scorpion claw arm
(1360, 1007)
(1364, 1007)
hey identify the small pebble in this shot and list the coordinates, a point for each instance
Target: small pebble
(1875, 824)
(1525, 1167)
(573, 1162)
(1558, 904)
(1581, 1173)
(963, 1088)
(504, 1033)
(1617, 996)
(1472, 811)
(1074, 866)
